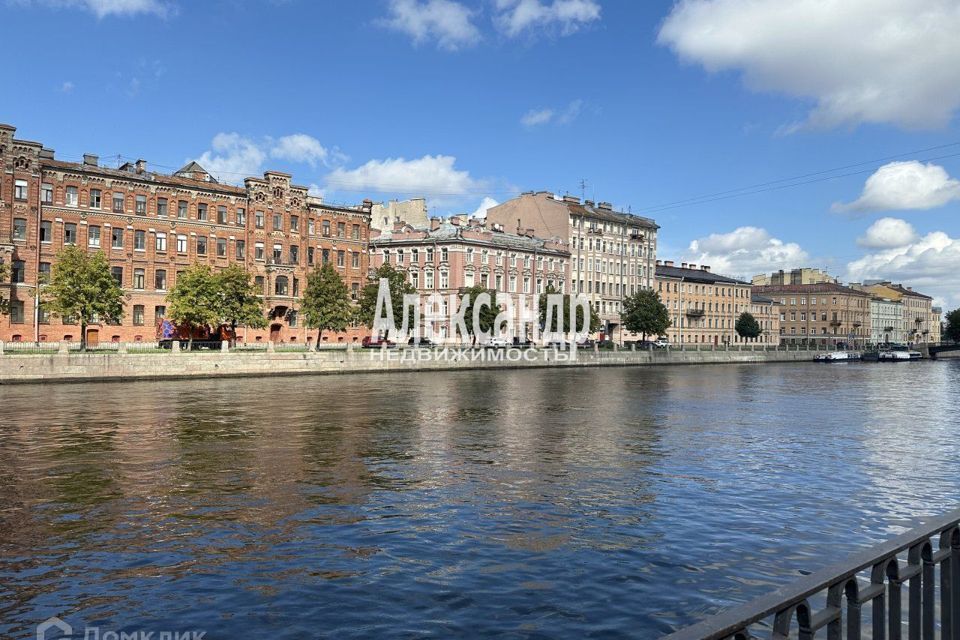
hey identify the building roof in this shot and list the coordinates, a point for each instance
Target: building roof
(448, 232)
(695, 275)
(759, 299)
(590, 210)
(820, 287)
(146, 176)
(899, 288)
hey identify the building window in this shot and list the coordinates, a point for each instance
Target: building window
(221, 247)
(116, 238)
(46, 193)
(354, 290)
(341, 230)
(182, 209)
(341, 258)
(96, 199)
(399, 256)
(324, 256)
(19, 228)
(202, 211)
(138, 278)
(414, 256)
(181, 244)
(138, 315)
(118, 203)
(117, 274)
(221, 215)
(295, 224)
(325, 226)
(93, 236)
(141, 205)
(16, 312)
(444, 280)
(241, 216)
(355, 234)
(161, 242)
(18, 271)
(241, 249)
(277, 222)
(444, 254)
(428, 278)
(162, 207)
(296, 288)
(201, 245)
(355, 256)
(258, 251)
(292, 318)
(259, 283)
(280, 286)
(277, 253)
(70, 233)
(20, 190)
(44, 275)
(258, 219)
(294, 254)
(160, 279)
(310, 252)
(159, 313)
(140, 240)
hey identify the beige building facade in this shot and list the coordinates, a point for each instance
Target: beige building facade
(917, 308)
(413, 212)
(824, 314)
(704, 306)
(805, 275)
(612, 253)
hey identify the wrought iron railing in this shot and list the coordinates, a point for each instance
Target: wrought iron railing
(874, 577)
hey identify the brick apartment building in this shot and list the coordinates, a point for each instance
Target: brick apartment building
(451, 255)
(152, 226)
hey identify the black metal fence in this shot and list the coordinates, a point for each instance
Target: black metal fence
(862, 596)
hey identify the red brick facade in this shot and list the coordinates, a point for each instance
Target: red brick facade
(152, 226)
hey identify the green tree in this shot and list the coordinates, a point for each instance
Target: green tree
(747, 326)
(239, 302)
(643, 313)
(488, 314)
(326, 302)
(367, 307)
(595, 322)
(952, 332)
(195, 300)
(4, 303)
(82, 288)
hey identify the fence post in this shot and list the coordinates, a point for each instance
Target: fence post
(174, 346)
(225, 346)
(121, 347)
(64, 347)
(271, 348)
(1, 347)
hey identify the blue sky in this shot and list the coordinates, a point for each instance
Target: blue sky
(650, 102)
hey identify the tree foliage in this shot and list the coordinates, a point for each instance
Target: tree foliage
(239, 302)
(367, 307)
(195, 300)
(82, 288)
(644, 313)
(747, 326)
(595, 322)
(952, 332)
(488, 314)
(326, 302)
(4, 303)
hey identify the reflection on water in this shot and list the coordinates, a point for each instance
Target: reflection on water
(618, 502)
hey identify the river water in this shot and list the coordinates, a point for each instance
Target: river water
(517, 504)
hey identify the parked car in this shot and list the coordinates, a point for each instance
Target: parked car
(517, 342)
(661, 343)
(420, 342)
(497, 343)
(369, 342)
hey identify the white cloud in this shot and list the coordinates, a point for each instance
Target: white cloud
(929, 264)
(888, 233)
(446, 22)
(300, 147)
(481, 211)
(316, 191)
(565, 16)
(429, 175)
(905, 185)
(106, 8)
(746, 251)
(862, 61)
(537, 117)
(67, 87)
(233, 157)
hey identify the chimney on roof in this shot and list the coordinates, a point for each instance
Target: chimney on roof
(46, 154)
(434, 223)
(573, 199)
(705, 267)
(367, 205)
(588, 203)
(529, 233)
(683, 265)
(90, 160)
(606, 206)
(692, 265)
(141, 166)
(668, 263)
(659, 262)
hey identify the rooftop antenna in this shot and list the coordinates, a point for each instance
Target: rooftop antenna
(583, 188)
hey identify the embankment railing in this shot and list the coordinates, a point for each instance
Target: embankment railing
(835, 601)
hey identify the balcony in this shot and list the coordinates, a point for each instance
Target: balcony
(835, 323)
(694, 313)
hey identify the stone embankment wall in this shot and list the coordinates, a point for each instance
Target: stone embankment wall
(75, 366)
